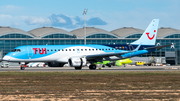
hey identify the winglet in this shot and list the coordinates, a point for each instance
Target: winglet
(149, 35)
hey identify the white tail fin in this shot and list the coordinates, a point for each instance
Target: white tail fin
(149, 35)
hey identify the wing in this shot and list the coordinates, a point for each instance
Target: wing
(104, 55)
(98, 57)
(107, 55)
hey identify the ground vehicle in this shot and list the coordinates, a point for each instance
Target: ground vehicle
(5, 65)
(140, 63)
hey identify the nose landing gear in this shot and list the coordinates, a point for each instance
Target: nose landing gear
(23, 65)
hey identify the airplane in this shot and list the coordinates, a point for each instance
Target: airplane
(78, 55)
(116, 63)
(105, 63)
(123, 62)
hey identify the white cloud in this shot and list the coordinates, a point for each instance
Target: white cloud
(23, 22)
(7, 20)
(16, 24)
(36, 20)
(61, 20)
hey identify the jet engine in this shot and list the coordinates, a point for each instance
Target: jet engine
(77, 62)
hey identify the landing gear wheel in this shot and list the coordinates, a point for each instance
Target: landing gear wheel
(78, 68)
(92, 67)
(103, 66)
(22, 68)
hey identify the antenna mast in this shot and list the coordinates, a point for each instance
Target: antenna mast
(84, 13)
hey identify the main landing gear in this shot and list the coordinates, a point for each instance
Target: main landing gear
(22, 67)
(92, 67)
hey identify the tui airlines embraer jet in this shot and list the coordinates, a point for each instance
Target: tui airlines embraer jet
(78, 55)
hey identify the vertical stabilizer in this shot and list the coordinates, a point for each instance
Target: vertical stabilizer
(149, 35)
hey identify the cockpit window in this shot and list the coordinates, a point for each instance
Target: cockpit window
(16, 50)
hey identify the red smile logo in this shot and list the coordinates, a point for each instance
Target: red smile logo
(152, 36)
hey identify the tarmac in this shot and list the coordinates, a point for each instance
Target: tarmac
(115, 68)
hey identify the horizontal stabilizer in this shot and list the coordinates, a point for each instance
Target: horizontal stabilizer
(158, 47)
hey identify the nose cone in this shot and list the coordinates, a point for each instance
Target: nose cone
(6, 58)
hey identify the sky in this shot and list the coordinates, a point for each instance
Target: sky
(104, 14)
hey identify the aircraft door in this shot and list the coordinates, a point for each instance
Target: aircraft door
(30, 51)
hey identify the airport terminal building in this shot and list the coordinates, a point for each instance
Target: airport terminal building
(12, 37)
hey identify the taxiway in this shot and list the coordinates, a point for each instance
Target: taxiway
(60, 69)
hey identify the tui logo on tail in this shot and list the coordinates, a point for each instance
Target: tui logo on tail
(152, 36)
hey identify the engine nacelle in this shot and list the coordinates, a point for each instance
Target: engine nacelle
(77, 62)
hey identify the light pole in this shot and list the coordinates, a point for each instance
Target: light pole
(85, 11)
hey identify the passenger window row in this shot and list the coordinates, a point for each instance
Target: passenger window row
(79, 49)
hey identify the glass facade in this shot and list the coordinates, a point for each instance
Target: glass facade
(10, 41)
(15, 35)
(134, 36)
(173, 36)
(101, 36)
(59, 36)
